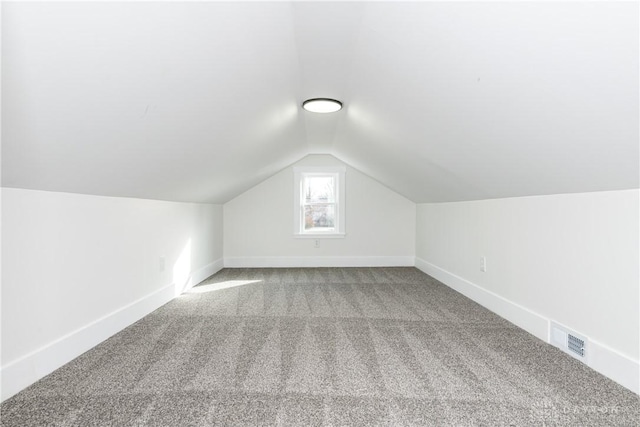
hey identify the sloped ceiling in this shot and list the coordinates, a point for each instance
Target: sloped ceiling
(444, 101)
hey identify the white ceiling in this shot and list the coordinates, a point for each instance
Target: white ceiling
(198, 102)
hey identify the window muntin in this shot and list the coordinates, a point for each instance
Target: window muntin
(319, 201)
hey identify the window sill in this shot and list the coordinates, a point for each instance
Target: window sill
(319, 235)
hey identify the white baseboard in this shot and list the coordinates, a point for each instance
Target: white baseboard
(605, 360)
(202, 273)
(207, 271)
(531, 322)
(612, 364)
(319, 261)
(28, 369)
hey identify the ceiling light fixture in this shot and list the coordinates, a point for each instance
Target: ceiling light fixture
(322, 105)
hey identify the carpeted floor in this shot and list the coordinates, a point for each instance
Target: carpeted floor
(325, 347)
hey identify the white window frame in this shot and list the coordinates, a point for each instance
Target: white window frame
(299, 173)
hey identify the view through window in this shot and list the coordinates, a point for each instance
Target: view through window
(319, 203)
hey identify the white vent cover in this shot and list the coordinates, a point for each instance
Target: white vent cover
(568, 341)
(575, 345)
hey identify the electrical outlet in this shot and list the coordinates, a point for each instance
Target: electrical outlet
(161, 264)
(316, 243)
(483, 264)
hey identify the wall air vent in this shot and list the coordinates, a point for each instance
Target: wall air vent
(568, 341)
(575, 345)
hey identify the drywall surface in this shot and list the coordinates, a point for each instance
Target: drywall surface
(72, 262)
(443, 99)
(259, 230)
(570, 258)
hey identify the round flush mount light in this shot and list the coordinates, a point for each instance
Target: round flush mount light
(322, 105)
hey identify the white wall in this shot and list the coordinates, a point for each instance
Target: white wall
(78, 268)
(258, 225)
(571, 258)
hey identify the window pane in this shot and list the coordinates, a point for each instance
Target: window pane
(319, 217)
(319, 189)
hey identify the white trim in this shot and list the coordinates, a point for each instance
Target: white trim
(612, 364)
(340, 220)
(605, 360)
(320, 236)
(523, 317)
(203, 273)
(329, 261)
(207, 271)
(26, 370)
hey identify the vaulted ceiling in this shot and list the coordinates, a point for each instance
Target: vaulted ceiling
(444, 101)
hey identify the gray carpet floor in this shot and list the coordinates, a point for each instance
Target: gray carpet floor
(322, 347)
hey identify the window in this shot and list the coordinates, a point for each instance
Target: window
(319, 201)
